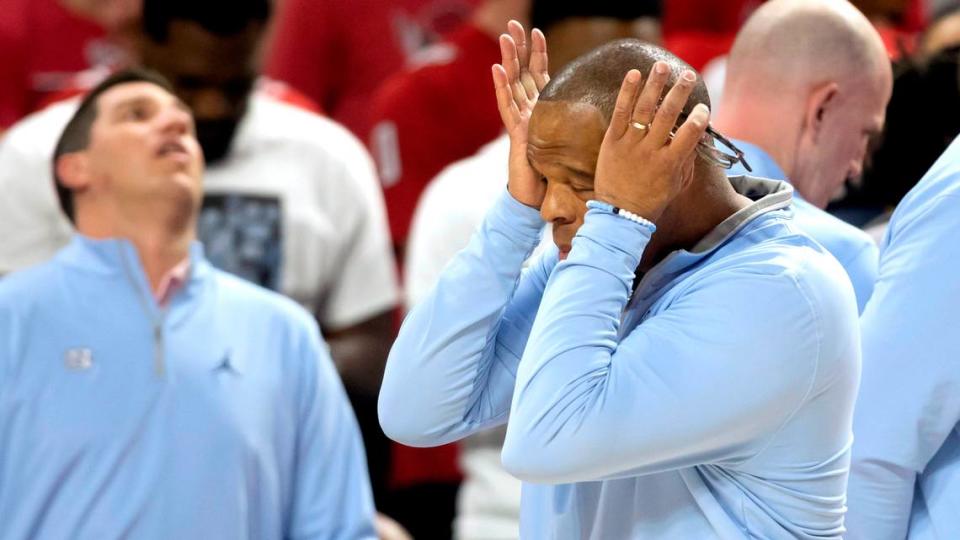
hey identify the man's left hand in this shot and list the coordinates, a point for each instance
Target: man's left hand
(642, 164)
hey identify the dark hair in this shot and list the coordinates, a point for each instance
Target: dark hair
(595, 78)
(545, 13)
(221, 17)
(76, 135)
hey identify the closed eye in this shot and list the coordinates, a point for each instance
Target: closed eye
(582, 188)
(136, 113)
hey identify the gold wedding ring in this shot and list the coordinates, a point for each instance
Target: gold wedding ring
(641, 127)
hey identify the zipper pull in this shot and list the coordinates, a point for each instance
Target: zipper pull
(158, 348)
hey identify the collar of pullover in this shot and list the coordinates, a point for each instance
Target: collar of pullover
(768, 196)
(118, 257)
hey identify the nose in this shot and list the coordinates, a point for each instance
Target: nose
(176, 120)
(858, 161)
(856, 168)
(559, 204)
(857, 164)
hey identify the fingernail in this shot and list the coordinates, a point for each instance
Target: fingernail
(689, 76)
(660, 68)
(702, 109)
(633, 76)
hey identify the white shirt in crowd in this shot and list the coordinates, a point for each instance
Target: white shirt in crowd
(449, 211)
(295, 206)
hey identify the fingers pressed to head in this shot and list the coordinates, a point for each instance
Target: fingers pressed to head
(519, 36)
(650, 95)
(623, 110)
(691, 132)
(672, 106)
(539, 66)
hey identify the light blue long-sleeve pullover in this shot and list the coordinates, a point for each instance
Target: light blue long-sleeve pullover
(852, 247)
(714, 402)
(905, 476)
(219, 417)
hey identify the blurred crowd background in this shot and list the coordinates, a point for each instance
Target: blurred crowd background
(410, 80)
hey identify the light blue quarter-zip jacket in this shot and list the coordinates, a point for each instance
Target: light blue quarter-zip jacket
(905, 477)
(220, 417)
(714, 402)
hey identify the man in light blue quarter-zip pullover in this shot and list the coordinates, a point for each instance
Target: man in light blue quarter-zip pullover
(143, 393)
(905, 475)
(696, 382)
(807, 86)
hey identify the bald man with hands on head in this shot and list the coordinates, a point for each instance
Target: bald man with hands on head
(714, 400)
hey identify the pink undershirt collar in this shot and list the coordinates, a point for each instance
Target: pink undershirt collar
(172, 282)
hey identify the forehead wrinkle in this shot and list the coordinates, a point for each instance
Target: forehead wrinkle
(556, 157)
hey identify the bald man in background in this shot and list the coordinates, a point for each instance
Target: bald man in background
(807, 87)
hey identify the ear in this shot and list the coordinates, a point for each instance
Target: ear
(821, 102)
(73, 170)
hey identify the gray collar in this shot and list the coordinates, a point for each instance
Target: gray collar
(768, 195)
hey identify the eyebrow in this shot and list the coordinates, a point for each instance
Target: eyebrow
(139, 100)
(130, 102)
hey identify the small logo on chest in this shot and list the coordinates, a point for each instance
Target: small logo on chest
(78, 359)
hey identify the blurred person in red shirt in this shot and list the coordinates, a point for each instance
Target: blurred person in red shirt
(700, 31)
(898, 22)
(337, 52)
(444, 109)
(45, 43)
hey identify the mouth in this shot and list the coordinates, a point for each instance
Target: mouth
(173, 149)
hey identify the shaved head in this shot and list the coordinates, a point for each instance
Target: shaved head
(595, 77)
(808, 82)
(803, 42)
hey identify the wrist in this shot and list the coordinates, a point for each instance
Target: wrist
(621, 238)
(649, 210)
(595, 206)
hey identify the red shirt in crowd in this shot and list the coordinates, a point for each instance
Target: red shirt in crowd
(428, 117)
(42, 47)
(698, 31)
(338, 52)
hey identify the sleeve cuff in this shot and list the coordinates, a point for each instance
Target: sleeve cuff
(512, 217)
(622, 237)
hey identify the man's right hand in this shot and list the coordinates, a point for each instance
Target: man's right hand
(518, 80)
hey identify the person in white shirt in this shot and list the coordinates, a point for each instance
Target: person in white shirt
(450, 210)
